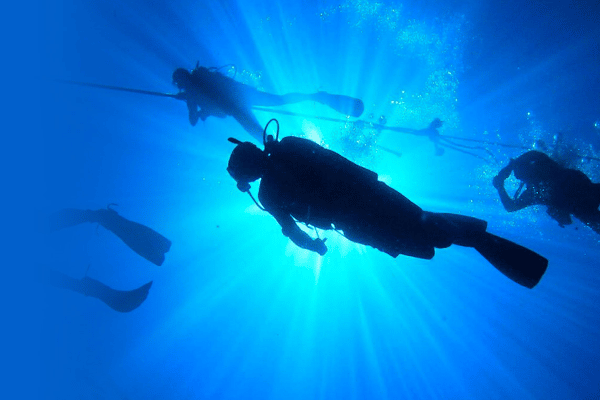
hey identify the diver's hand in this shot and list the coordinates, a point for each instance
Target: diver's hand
(319, 246)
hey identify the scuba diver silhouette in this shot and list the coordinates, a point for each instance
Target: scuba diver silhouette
(564, 191)
(208, 92)
(304, 182)
(146, 242)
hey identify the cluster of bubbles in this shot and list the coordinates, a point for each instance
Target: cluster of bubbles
(358, 140)
(246, 77)
(565, 147)
(359, 11)
(437, 47)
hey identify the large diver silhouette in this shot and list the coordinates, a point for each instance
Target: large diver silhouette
(304, 182)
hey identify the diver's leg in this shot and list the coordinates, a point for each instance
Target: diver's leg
(70, 217)
(340, 103)
(445, 229)
(258, 98)
(60, 280)
(382, 217)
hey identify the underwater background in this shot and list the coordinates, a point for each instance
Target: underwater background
(237, 311)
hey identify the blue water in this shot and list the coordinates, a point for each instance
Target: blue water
(237, 311)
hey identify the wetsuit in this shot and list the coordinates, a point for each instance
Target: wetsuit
(308, 183)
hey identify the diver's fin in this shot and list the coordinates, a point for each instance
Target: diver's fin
(118, 300)
(145, 241)
(343, 104)
(516, 262)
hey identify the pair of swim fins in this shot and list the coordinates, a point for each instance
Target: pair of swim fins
(143, 240)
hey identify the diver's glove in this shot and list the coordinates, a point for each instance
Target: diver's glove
(319, 246)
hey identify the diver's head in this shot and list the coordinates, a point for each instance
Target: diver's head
(246, 164)
(182, 78)
(535, 167)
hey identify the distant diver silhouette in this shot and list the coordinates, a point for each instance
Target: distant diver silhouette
(208, 92)
(304, 182)
(146, 242)
(564, 191)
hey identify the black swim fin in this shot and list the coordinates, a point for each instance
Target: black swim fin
(343, 104)
(118, 300)
(516, 262)
(145, 241)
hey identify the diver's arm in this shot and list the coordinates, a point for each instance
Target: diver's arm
(504, 173)
(300, 238)
(507, 202)
(525, 199)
